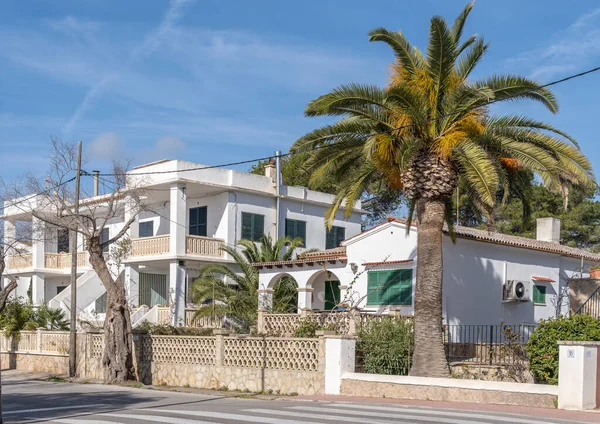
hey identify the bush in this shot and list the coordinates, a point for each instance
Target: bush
(307, 329)
(20, 315)
(542, 347)
(386, 347)
(169, 330)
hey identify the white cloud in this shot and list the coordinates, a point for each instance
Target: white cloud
(106, 146)
(569, 50)
(74, 26)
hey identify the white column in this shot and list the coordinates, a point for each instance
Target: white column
(340, 357)
(177, 291)
(304, 299)
(265, 300)
(578, 375)
(131, 212)
(37, 289)
(38, 243)
(178, 223)
(132, 280)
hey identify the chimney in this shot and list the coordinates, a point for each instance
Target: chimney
(271, 171)
(548, 229)
(96, 177)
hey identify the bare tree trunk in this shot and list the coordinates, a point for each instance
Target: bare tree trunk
(117, 358)
(429, 358)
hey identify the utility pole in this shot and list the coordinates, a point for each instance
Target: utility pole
(73, 324)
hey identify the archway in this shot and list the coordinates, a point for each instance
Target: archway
(285, 295)
(326, 293)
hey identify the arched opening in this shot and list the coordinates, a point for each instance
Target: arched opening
(285, 295)
(326, 295)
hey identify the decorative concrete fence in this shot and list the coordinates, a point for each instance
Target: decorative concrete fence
(290, 365)
(36, 351)
(342, 322)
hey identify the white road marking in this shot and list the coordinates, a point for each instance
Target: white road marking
(75, 421)
(445, 413)
(56, 408)
(158, 418)
(236, 417)
(336, 418)
(403, 416)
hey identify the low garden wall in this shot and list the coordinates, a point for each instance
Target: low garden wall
(255, 364)
(44, 351)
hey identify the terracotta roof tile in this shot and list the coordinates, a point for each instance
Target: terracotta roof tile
(543, 279)
(403, 261)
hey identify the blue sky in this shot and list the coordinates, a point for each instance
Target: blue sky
(215, 81)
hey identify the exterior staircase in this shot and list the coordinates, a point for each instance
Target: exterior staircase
(89, 288)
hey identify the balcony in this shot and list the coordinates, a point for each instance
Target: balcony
(160, 245)
(20, 261)
(63, 260)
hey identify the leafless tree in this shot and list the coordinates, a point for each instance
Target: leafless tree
(8, 245)
(120, 205)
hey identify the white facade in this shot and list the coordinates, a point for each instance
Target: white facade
(475, 270)
(172, 190)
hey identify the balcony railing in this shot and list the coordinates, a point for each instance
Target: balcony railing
(160, 245)
(203, 246)
(63, 260)
(150, 246)
(20, 261)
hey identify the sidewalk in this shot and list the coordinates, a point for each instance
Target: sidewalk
(588, 416)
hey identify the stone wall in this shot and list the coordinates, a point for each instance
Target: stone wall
(517, 373)
(451, 390)
(580, 289)
(56, 364)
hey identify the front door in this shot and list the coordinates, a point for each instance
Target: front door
(332, 294)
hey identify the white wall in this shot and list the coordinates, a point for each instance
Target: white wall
(52, 283)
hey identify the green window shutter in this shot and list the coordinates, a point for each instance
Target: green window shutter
(258, 228)
(330, 239)
(246, 226)
(301, 231)
(394, 287)
(406, 297)
(373, 295)
(290, 228)
(539, 294)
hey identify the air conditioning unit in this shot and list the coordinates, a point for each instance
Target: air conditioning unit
(516, 291)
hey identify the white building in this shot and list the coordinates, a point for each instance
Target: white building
(376, 270)
(194, 210)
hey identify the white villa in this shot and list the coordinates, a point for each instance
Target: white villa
(489, 277)
(194, 210)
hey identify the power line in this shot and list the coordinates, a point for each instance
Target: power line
(37, 194)
(532, 90)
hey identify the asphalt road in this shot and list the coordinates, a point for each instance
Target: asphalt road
(66, 403)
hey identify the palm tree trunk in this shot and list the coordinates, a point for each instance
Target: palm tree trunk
(429, 357)
(117, 359)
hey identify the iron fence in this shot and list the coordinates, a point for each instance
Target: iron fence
(496, 345)
(591, 306)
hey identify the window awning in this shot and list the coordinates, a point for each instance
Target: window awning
(542, 279)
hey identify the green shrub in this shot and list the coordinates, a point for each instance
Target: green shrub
(542, 347)
(307, 329)
(169, 330)
(386, 347)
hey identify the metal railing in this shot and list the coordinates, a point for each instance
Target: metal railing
(487, 344)
(591, 306)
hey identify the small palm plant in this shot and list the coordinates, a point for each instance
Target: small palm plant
(223, 290)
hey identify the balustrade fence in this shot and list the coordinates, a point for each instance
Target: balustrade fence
(36, 341)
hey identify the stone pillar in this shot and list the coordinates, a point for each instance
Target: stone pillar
(37, 289)
(219, 345)
(131, 212)
(304, 300)
(132, 288)
(177, 290)
(340, 358)
(354, 322)
(178, 219)
(260, 322)
(265, 300)
(578, 375)
(38, 243)
(38, 339)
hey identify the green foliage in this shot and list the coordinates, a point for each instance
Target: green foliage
(285, 296)
(542, 347)
(386, 346)
(307, 329)
(169, 330)
(233, 291)
(21, 315)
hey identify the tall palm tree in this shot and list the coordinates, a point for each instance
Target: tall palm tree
(234, 292)
(426, 130)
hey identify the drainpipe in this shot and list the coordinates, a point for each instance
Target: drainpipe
(96, 177)
(277, 191)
